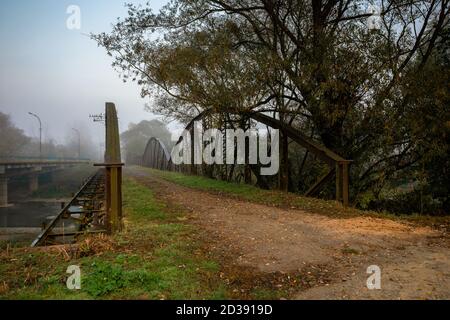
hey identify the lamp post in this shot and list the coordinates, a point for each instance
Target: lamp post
(40, 133)
(79, 142)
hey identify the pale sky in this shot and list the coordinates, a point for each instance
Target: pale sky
(61, 74)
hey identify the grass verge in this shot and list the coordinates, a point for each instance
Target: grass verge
(155, 257)
(289, 200)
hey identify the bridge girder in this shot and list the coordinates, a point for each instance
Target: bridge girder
(338, 166)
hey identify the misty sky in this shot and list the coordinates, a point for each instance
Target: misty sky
(61, 74)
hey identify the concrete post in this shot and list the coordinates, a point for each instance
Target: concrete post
(3, 192)
(33, 183)
(51, 175)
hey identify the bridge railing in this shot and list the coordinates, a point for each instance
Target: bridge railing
(156, 155)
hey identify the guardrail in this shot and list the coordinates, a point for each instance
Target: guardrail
(90, 198)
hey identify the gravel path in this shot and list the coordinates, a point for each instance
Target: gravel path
(414, 261)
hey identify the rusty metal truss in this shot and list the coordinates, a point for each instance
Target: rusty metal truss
(84, 214)
(156, 156)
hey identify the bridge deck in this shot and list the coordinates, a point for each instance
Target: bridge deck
(12, 163)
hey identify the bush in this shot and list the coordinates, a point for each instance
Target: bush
(407, 203)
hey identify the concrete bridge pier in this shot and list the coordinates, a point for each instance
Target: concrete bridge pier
(33, 182)
(51, 176)
(3, 192)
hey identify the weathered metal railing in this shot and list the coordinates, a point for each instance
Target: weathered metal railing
(85, 210)
(156, 155)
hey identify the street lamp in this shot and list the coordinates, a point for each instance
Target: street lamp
(79, 142)
(40, 133)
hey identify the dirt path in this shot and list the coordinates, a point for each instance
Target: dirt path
(332, 255)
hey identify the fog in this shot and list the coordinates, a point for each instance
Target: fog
(60, 74)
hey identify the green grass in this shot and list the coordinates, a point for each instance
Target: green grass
(156, 257)
(289, 200)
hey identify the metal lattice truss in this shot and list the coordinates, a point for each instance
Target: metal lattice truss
(156, 155)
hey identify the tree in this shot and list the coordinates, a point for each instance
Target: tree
(317, 64)
(136, 137)
(13, 138)
(430, 122)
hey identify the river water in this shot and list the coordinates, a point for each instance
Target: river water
(23, 220)
(27, 214)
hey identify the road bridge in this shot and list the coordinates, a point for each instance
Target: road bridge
(30, 168)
